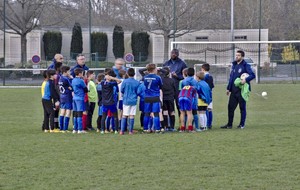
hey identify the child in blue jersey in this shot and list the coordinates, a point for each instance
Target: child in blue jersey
(79, 89)
(50, 100)
(109, 102)
(204, 98)
(186, 98)
(65, 89)
(153, 84)
(130, 89)
(189, 80)
(100, 78)
(210, 81)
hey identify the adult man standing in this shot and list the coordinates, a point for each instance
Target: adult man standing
(58, 58)
(80, 59)
(239, 66)
(119, 65)
(176, 66)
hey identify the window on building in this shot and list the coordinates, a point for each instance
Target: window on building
(202, 38)
(240, 37)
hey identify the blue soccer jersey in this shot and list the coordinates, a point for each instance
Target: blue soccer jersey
(65, 89)
(109, 90)
(153, 84)
(78, 86)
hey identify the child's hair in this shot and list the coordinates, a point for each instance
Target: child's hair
(45, 74)
(78, 71)
(190, 72)
(205, 67)
(89, 73)
(151, 67)
(51, 72)
(65, 69)
(167, 69)
(200, 75)
(185, 72)
(111, 73)
(131, 72)
(107, 70)
(100, 77)
(122, 73)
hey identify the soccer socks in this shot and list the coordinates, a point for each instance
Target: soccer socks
(66, 123)
(123, 123)
(166, 121)
(172, 121)
(209, 115)
(75, 123)
(203, 120)
(114, 122)
(156, 122)
(79, 121)
(146, 122)
(196, 121)
(108, 119)
(84, 121)
(131, 124)
(99, 122)
(61, 122)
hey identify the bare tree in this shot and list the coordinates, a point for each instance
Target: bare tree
(22, 16)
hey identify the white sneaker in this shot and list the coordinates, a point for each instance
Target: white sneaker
(74, 131)
(102, 132)
(46, 131)
(116, 132)
(81, 132)
(198, 130)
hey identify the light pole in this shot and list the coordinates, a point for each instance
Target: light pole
(4, 44)
(259, 48)
(175, 20)
(232, 28)
(90, 29)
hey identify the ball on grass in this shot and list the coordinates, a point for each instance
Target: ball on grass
(264, 94)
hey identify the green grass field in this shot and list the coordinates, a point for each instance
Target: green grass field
(265, 155)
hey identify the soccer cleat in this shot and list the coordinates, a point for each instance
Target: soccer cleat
(130, 133)
(90, 129)
(46, 131)
(98, 131)
(74, 131)
(121, 133)
(106, 132)
(56, 130)
(116, 132)
(102, 132)
(82, 132)
(240, 127)
(157, 131)
(226, 127)
(146, 131)
(198, 130)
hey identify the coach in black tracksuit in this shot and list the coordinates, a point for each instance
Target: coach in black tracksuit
(239, 66)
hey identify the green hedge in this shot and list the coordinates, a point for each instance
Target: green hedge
(99, 45)
(52, 44)
(140, 44)
(76, 42)
(118, 42)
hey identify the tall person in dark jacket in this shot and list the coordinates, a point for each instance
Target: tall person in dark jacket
(239, 66)
(176, 66)
(80, 60)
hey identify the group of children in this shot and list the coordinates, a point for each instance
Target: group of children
(117, 100)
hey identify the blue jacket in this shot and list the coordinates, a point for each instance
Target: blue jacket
(189, 81)
(130, 89)
(84, 67)
(204, 91)
(52, 65)
(176, 66)
(117, 71)
(236, 71)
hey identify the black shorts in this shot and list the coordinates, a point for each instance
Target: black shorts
(168, 105)
(202, 108)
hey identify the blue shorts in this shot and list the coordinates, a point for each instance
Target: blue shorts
(111, 108)
(66, 106)
(185, 104)
(120, 105)
(142, 106)
(78, 105)
(100, 110)
(152, 107)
